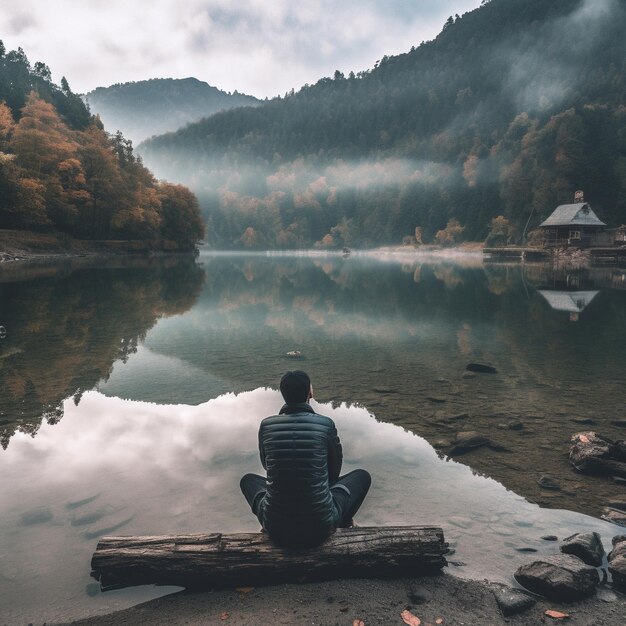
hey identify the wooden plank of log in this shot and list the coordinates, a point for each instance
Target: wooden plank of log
(234, 560)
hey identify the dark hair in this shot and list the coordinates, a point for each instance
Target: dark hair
(295, 386)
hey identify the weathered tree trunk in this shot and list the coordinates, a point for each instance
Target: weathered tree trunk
(217, 560)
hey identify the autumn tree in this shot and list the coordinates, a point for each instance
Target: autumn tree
(451, 234)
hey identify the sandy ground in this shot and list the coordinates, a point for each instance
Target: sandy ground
(375, 602)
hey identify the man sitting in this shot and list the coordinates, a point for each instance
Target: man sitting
(303, 498)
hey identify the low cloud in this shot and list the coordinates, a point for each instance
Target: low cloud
(255, 47)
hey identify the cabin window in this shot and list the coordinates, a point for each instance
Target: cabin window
(574, 234)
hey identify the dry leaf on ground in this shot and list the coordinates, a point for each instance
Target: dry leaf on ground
(410, 619)
(439, 620)
(358, 622)
(224, 616)
(244, 589)
(556, 614)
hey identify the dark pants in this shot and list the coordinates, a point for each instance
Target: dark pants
(348, 493)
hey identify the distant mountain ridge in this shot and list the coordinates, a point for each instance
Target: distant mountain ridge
(160, 105)
(511, 108)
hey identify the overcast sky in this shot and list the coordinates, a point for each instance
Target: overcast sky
(260, 47)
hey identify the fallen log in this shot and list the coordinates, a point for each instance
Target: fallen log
(235, 560)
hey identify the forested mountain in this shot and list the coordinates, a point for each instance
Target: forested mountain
(509, 110)
(153, 107)
(60, 170)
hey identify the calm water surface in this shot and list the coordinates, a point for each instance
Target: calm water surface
(132, 396)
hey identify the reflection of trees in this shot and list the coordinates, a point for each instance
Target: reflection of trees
(64, 332)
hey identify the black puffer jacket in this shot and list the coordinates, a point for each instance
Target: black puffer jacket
(302, 454)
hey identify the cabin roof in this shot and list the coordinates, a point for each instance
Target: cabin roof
(579, 214)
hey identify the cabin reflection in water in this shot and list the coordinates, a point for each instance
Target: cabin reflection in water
(572, 290)
(573, 302)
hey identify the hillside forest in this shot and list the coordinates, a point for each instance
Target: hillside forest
(61, 171)
(508, 111)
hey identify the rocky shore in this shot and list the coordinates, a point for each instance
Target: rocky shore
(441, 600)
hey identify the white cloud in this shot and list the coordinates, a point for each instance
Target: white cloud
(253, 46)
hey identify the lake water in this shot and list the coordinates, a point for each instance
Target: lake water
(131, 397)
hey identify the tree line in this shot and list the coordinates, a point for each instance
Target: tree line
(60, 170)
(509, 110)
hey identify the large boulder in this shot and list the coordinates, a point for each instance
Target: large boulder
(586, 546)
(617, 561)
(561, 577)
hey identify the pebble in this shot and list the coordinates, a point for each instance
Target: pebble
(550, 538)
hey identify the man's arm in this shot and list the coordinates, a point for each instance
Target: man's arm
(262, 450)
(335, 455)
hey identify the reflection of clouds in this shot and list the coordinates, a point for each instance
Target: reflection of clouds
(176, 469)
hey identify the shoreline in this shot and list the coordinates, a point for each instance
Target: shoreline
(25, 247)
(374, 601)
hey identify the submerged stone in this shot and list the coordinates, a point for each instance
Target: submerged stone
(468, 440)
(562, 577)
(40, 515)
(547, 482)
(481, 368)
(587, 546)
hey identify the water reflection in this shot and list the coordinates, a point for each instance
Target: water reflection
(393, 335)
(65, 329)
(139, 468)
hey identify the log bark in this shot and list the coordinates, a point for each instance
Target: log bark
(234, 560)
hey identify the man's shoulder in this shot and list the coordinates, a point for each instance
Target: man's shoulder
(300, 416)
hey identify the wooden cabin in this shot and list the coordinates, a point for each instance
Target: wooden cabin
(575, 225)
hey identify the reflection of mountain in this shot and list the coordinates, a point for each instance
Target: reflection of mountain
(65, 331)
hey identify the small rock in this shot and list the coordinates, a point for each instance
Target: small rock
(419, 595)
(550, 538)
(605, 595)
(457, 417)
(617, 561)
(512, 601)
(614, 515)
(526, 549)
(583, 420)
(547, 482)
(481, 368)
(468, 375)
(443, 381)
(436, 399)
(620, 505)
(39, 515)
(587, 546)
(561, 577)
(619, 480)
(441, 443)
(515, 425)
(294, 354)
(92, 589)
(468, 440)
